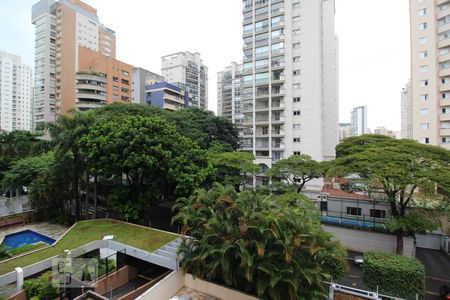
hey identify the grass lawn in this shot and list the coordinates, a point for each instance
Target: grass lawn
(87, 231)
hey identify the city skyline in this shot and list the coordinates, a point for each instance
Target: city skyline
(223, 44)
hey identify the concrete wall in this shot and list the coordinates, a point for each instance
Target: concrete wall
(115, 280)
(337, 207)
(169, 286)
(429, 241)
(9, 206)
(363, 241)
(214, 290)
(166, 288)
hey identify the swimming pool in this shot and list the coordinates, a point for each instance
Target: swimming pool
(352, 223)
(25, 237)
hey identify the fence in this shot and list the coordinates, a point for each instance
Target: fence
(337, 292)
(445, 245)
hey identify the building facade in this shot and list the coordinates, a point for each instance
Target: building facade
(166, 96)
(430, 71)
(229, 96)
(345, 131)
(140, 77)
(188, 69)
(359, 121)
(390, 133)
(61, 28)
(406, 112)
(289, 90)
(16, 93)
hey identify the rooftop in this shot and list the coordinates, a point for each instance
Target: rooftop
(342, 194)
(84, 232)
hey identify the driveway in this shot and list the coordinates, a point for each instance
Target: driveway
(437, 268)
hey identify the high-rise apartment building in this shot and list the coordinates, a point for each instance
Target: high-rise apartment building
(188, 69)
(166, 96)
(406, 112)
(141, 77)
(16, 93)
(430, 71)
(62, 27)
(229, 96)
(384, 131)
(289, 91)
(359, 121)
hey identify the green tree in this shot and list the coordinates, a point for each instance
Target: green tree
(258, 244)
(146, 159)
(406, 172)
(4, 252)
(65, 133)
(297, 170)
(232, 168)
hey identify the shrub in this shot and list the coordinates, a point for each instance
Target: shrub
(395, 275)
(40, 288)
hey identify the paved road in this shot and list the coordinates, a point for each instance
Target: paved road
(437, 268)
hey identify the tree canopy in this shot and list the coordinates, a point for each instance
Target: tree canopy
(406, 172)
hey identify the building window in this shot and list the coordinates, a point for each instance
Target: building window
(423, 69)
(297, 113)
(424, 82)
(115, 79)
(115, 87)
(424, 97)
(423, 40)
(422, 12)
(296, 45)
(423, 26)
(378, 213)
(425, 140)
(296, 126)
(297, 153)
(296, 4)
(296, 72)
(354, 211)
(296, 32)
(423, 54)
(297, 140)
(425, 126)
(296, 86)
(125, 73)
(424, 112)
(296, 99)
(296, 19)
(296, 59)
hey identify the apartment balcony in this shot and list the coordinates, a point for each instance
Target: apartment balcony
(279, 106)
(277, 65)
(444, 132)
(443, 13)
(443, 58)
(279, 120)
(444, 72)
(247, 33)
(173, 98)
(278, 79)
(444, 27)
(278, 25)
(277, 12)
(86, 105)
(93, 87)
(261, 16)
(85, 96)
(277, 133)
(261, 29)
(278, 146)
(444, 43)
(90, 76)
(277, 39)
(439, 2)
(444, 87)
(444, 117)
(277, 92)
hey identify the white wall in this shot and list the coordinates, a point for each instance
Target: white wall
(363, 241)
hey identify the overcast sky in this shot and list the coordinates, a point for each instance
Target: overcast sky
(374, 55)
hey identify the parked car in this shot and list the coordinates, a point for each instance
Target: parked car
(444, 292)
(359, 261)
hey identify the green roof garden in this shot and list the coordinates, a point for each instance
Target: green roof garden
(84, 232)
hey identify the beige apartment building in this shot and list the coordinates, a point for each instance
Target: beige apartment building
(430, 71)
(63, 29)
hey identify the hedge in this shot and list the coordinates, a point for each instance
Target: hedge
(395, 275)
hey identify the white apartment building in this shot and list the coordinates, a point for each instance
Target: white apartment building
(61, 28)
(289, 92)
(188, 69)
(430, 71)
(229, 98)
(359, 121)
(406, 112)
(345, 131)
(16, 93)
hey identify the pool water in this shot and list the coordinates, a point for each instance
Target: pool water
(26, 237)
(352, 223)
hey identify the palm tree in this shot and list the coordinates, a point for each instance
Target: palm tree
(257, 244)
(4, 252)
(65, 133)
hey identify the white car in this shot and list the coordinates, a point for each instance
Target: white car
(359, 261)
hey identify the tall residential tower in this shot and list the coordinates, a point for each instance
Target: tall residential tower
(16, 93)
(229, 98)
(62, 28)
(406, 112)
(188, 69)
(359, 121)
(430, 71)
(289, 91)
